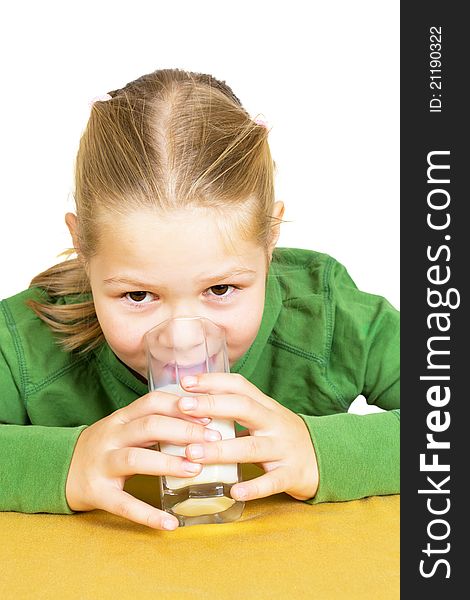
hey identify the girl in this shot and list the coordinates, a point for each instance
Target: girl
(176, 216)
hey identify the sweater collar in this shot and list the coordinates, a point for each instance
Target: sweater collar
(245, 365)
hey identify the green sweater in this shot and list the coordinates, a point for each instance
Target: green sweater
(321, 343)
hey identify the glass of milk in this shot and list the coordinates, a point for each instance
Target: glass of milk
(187, 346)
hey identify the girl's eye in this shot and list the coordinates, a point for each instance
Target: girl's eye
(139, 297)
(219, 291)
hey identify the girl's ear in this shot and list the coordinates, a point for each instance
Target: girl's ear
(71, 222)
(278, 210)
(278, 213)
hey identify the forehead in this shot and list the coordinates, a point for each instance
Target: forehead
(186, 243)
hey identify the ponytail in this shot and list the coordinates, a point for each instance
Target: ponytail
(69, 309)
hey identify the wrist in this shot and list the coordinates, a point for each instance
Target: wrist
(73, 493)
(308, 476)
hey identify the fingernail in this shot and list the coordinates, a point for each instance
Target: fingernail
(211, 435)
(188, 403)
(196, 451)
(189, 381)
(192, 467)
(170, 524)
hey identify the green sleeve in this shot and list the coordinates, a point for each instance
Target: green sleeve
(34, 460)
(34, 463)
(359, 455)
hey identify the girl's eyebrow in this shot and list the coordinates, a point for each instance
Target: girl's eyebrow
(204, 278)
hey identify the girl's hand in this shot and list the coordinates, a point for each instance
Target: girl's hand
(113, 449)
(277, 439)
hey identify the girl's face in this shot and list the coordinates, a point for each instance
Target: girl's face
(149, 269)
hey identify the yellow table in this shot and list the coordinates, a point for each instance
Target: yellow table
(280, 548)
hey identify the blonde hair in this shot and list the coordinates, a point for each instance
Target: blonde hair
(171, 139)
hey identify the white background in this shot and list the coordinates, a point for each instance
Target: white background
(325, 75)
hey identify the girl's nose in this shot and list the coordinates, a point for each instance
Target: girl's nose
(183, 340)
(189, 340)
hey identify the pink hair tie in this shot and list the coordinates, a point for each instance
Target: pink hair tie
(262, 122)
(102, 98)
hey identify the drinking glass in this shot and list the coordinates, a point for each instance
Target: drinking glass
(188, 346)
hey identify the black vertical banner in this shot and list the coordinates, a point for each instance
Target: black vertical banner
(435, 267)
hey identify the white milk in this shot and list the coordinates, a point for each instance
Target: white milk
(194, 507)
(223, 473)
